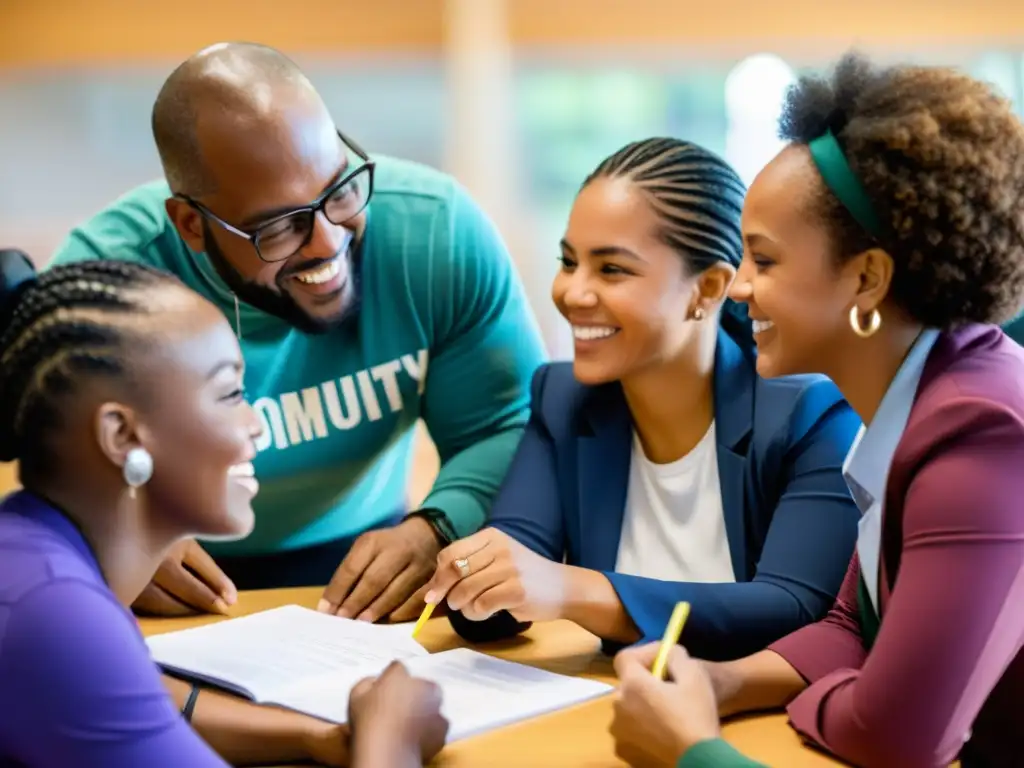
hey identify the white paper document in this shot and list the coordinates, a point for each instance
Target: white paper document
(260, 655)
(307, 661)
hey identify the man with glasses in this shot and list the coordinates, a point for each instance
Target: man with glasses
(366, 293)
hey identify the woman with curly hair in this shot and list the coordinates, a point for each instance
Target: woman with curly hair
(883, 246)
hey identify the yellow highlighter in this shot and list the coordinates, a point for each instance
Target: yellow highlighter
(427, 610)
(672, 634)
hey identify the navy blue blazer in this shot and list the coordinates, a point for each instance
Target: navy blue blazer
(789, 517)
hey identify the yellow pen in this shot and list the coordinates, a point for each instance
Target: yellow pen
(427, 610)
(672, 633)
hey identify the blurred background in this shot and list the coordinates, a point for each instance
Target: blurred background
(519, 99)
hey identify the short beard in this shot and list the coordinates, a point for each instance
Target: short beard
(279, 303)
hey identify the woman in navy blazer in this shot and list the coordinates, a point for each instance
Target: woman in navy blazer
(659, 450)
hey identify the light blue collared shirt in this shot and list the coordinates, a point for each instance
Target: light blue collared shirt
(866, 469)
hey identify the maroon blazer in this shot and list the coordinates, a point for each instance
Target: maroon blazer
(946, 671)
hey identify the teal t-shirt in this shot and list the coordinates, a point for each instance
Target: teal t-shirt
(1015, 329)
(444, 333)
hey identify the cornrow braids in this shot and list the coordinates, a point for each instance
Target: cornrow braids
(698, 198)
(71, 322)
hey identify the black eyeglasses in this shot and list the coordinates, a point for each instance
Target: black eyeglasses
(283, 236)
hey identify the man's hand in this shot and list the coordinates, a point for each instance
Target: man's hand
(657, 721)
(490, 572)
(384, 573)
(188, 581)
(396, 720)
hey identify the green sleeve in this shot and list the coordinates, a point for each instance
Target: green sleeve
(477, 395)
(715, 753)
(75, 247)
(126, 230)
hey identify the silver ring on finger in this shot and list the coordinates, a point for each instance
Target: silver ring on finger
(462, 564)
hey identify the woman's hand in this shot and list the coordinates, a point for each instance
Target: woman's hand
(657, 721)
(727, 683)
(328, 744)
(490, 572)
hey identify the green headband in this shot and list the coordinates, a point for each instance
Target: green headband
(840, 178)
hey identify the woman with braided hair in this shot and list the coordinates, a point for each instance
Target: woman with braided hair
(883, 247)
(657, 467)
(121, 398)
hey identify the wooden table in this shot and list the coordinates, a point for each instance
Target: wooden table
(573, 738)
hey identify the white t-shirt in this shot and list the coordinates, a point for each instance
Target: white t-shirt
(674, 527)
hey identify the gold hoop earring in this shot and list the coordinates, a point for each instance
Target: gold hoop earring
(874, 322)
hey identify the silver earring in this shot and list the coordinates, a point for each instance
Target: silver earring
(238, 318)
(138, 469)
(698, 314)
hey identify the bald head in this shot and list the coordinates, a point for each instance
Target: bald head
(220, 90)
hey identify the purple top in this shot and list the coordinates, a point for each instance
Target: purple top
(77, 685)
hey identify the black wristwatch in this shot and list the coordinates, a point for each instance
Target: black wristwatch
(439, 522)
(190, 704)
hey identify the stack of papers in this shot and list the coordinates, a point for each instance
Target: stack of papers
(306, 661)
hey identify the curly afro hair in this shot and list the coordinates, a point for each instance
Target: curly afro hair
(942, 157)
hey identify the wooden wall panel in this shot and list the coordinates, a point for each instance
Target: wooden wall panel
(98, 32)
(746, 22)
